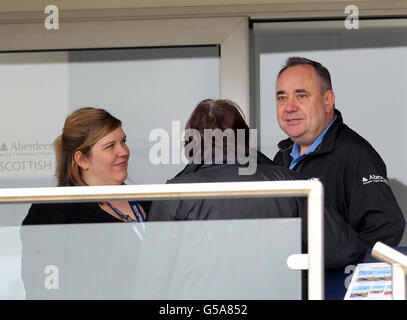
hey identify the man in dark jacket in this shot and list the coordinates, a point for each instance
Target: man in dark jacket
(342, 245)
(320, 145)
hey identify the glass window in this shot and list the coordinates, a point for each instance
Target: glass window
(153, 260)
(147, 88)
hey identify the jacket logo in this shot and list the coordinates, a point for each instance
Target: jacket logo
(374, 178)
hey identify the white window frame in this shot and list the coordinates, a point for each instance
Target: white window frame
(230, 33)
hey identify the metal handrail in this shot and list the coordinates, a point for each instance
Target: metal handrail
(398, 263)
(310, 188)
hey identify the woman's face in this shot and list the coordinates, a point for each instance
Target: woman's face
(107, 161)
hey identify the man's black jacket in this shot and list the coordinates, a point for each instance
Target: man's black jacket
(355, 183)
(342, 245)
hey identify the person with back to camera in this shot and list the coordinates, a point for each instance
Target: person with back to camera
(203, 167)
(91, 151)
(320, 145)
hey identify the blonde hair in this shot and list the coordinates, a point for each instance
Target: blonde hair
(82, 129)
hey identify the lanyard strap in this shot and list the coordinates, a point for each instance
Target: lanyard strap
(136, 210)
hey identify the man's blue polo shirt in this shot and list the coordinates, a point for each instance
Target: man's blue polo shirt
(295, 152)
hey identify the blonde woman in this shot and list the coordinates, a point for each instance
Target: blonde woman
(90, 151)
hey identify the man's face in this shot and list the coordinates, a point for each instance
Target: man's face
(303, 111)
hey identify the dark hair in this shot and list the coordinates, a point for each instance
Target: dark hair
(322, 72)
(82, 129)
(218, 114)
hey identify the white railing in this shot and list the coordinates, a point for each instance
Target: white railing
(313, 261)
(398, 263)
